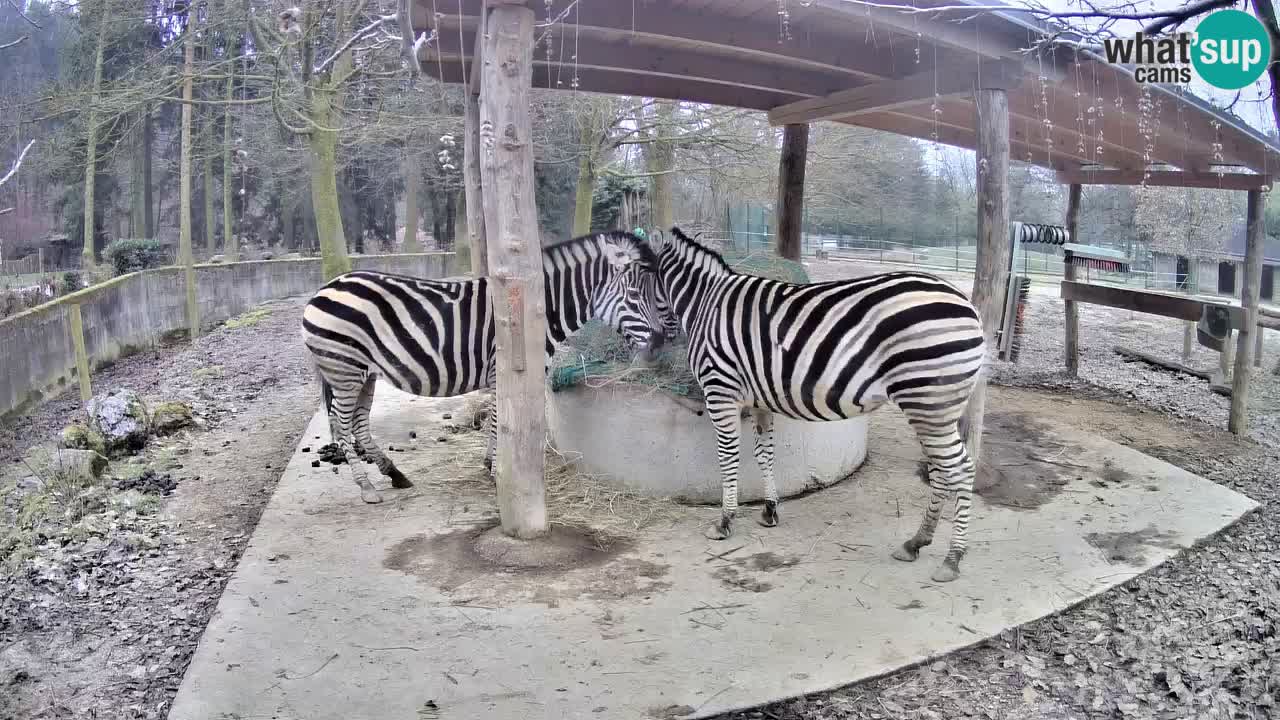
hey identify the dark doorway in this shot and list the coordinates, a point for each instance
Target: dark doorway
(1268, 282)
(1226, 278)
(1180, 275)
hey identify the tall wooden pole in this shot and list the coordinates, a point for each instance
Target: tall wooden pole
(791, 165)
(1069, 273)
(515, 267)
(1238, 421)
(991, 276)
(471, 164)
(185, 253)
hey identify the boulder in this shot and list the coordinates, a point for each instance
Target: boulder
(122, 419)
(78, 437)
(170, 417)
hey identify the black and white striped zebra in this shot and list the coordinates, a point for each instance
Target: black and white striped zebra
(829, 351)
(436, 338)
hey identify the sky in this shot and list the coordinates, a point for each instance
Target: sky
(1254, 106)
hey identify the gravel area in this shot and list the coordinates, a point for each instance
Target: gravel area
(103, 625)
(1198, 637)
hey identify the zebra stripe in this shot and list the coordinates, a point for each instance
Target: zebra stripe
(436, 338)
(829, 351)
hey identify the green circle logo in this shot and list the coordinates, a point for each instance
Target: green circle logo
(1231, 49)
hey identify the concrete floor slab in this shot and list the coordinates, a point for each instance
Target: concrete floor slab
(340, 610)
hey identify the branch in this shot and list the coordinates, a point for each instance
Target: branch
(361, 34)
(13, 4)
(16, 164)
(409, 47)
(20, 40)
(6, 211)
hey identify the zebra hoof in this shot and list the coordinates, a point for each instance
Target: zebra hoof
(370, 496)
(906, 554)
(398, 480)
(949, 570)
(769, 516)
(722, 530)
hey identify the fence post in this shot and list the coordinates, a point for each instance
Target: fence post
(82, 357)
(40, 256)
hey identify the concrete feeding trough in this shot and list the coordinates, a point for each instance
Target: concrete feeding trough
(651, 441)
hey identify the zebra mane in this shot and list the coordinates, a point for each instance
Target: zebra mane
(699, 248)
(640, 250)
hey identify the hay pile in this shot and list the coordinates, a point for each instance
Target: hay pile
(596, 356)
(575, 498)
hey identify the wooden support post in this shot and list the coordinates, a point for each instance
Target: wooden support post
(791, 164)
(471, 168)
(991, 274)
(1238, 421)
(515, 267)
(82, 356)
(1257, 347)
(1069, 273)
(1226, 359)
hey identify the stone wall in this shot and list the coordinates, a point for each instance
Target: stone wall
(134, 311)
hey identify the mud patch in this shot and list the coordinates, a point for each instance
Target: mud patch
(1024, 465)
(1129, 547)
(670, 712)
(770, 561)
(734, 579)
(451, 563)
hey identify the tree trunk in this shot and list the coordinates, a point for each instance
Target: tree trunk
(186, 257)
(515, 261)
(1069, 273)
(230, 243)
(661, 158)
(437, 215)
(586, 179)
(791, 165)
(471, 180)
(89, 258)
(137, 208)
(450, 211)
(324, 186)
(991, 275)
(1250, 286)
(412, 189)
(210, 238)
(148, 204)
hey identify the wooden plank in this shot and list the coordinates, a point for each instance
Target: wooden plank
(791, 166)
(1072, 340)
(1166, 178)
(1161, 363)
(82, 357)
(991, 274)
(515, 265)
(1144, 301)
(1238, 420)
(894, 93)
(471, 177)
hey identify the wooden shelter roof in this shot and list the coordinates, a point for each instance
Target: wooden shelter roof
(878, 66)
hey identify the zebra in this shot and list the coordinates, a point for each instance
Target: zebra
(436, 338)
(829, 351)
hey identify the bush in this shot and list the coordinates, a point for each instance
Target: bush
(71, 282)
(134, 254)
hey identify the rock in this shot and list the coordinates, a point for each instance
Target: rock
(78, 437)
(217, 260)
(170, 417)
(122, 419)
(268, 255)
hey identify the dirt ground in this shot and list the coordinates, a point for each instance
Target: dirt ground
(97, 632)
(105, 630)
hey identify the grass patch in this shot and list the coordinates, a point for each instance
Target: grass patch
(248, 319)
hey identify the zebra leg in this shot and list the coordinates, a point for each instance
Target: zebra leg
(726, 417)
(342, 412)
(491, 431)
(950, 470)
(365, 445)
(764, 458)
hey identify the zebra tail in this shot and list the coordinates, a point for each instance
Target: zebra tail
(326, 393)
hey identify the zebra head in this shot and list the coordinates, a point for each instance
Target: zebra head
(628, 301)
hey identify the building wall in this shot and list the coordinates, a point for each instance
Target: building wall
(134, 311)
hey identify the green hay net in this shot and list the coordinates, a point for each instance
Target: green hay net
(596, 355)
